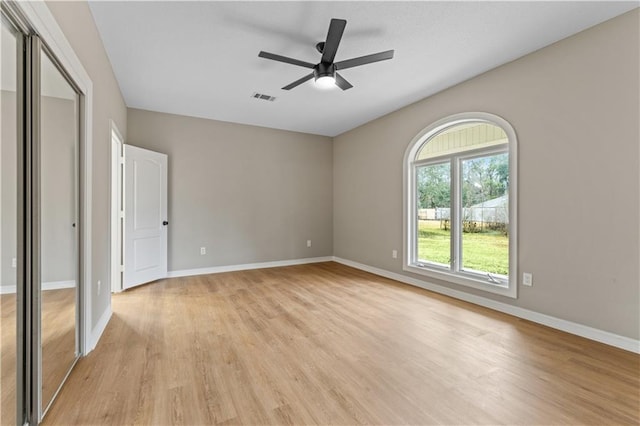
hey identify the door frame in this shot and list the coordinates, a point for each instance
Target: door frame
(116, 209)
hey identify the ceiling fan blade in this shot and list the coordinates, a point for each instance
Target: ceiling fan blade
(363, 60)
(298, 82)
(285, 59)
(342, 83)
(336, 28)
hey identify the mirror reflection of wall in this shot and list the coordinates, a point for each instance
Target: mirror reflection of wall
(8, 224)
(59, 227)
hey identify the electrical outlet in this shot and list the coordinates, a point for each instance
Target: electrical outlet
(394, 254)
(308, 243)
(527, 279)
(203, 250)
(14, 263)
(99, 285)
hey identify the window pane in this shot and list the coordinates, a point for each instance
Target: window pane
(433, 183)
(485, 214)
(461, 138)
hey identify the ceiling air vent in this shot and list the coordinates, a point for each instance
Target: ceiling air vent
(263, 97)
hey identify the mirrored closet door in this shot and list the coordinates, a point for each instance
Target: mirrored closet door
(59, 131)
(40, 262)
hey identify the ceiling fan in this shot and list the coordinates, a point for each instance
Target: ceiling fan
(325, 72)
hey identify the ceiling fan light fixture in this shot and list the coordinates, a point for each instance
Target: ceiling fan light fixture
(326, 82)
(325, 76)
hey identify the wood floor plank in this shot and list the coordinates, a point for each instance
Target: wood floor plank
(328, 344)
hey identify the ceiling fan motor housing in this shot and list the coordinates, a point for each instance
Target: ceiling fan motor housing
(324, 70)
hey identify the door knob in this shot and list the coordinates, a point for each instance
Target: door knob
(165, 223)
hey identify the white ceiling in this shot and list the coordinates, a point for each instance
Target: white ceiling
(201, 58)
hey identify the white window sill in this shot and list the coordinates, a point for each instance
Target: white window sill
(506, 289)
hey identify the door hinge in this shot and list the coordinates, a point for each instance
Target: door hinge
(121, 214)
(121, 268)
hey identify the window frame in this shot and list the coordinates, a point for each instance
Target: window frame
(454, 273)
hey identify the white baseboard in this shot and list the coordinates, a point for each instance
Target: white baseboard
(7, 289)
(57, 285)
(97, 331)
(52, 285)
(591, 333)
(247, 266)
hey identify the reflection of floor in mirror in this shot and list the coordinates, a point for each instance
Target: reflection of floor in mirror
(58, 338)
(58, 345)
(8, 359)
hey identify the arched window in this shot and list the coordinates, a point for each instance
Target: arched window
(460, 203)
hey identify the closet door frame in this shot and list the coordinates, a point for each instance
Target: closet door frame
(38, 20)
(23, 309)
(40, 33)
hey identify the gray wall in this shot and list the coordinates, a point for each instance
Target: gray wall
(8, 156)
(575, 108)
(58, 248)
(248, 194)
(57, 167)
(79, 28)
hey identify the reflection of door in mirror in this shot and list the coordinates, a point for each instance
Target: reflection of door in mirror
(59, 106)
(8, 225)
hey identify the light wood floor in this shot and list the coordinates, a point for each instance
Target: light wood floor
(327, 344)
(58, 338)
(58, 346)
(8, 359)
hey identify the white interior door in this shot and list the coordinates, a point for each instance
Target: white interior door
(145, 216)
